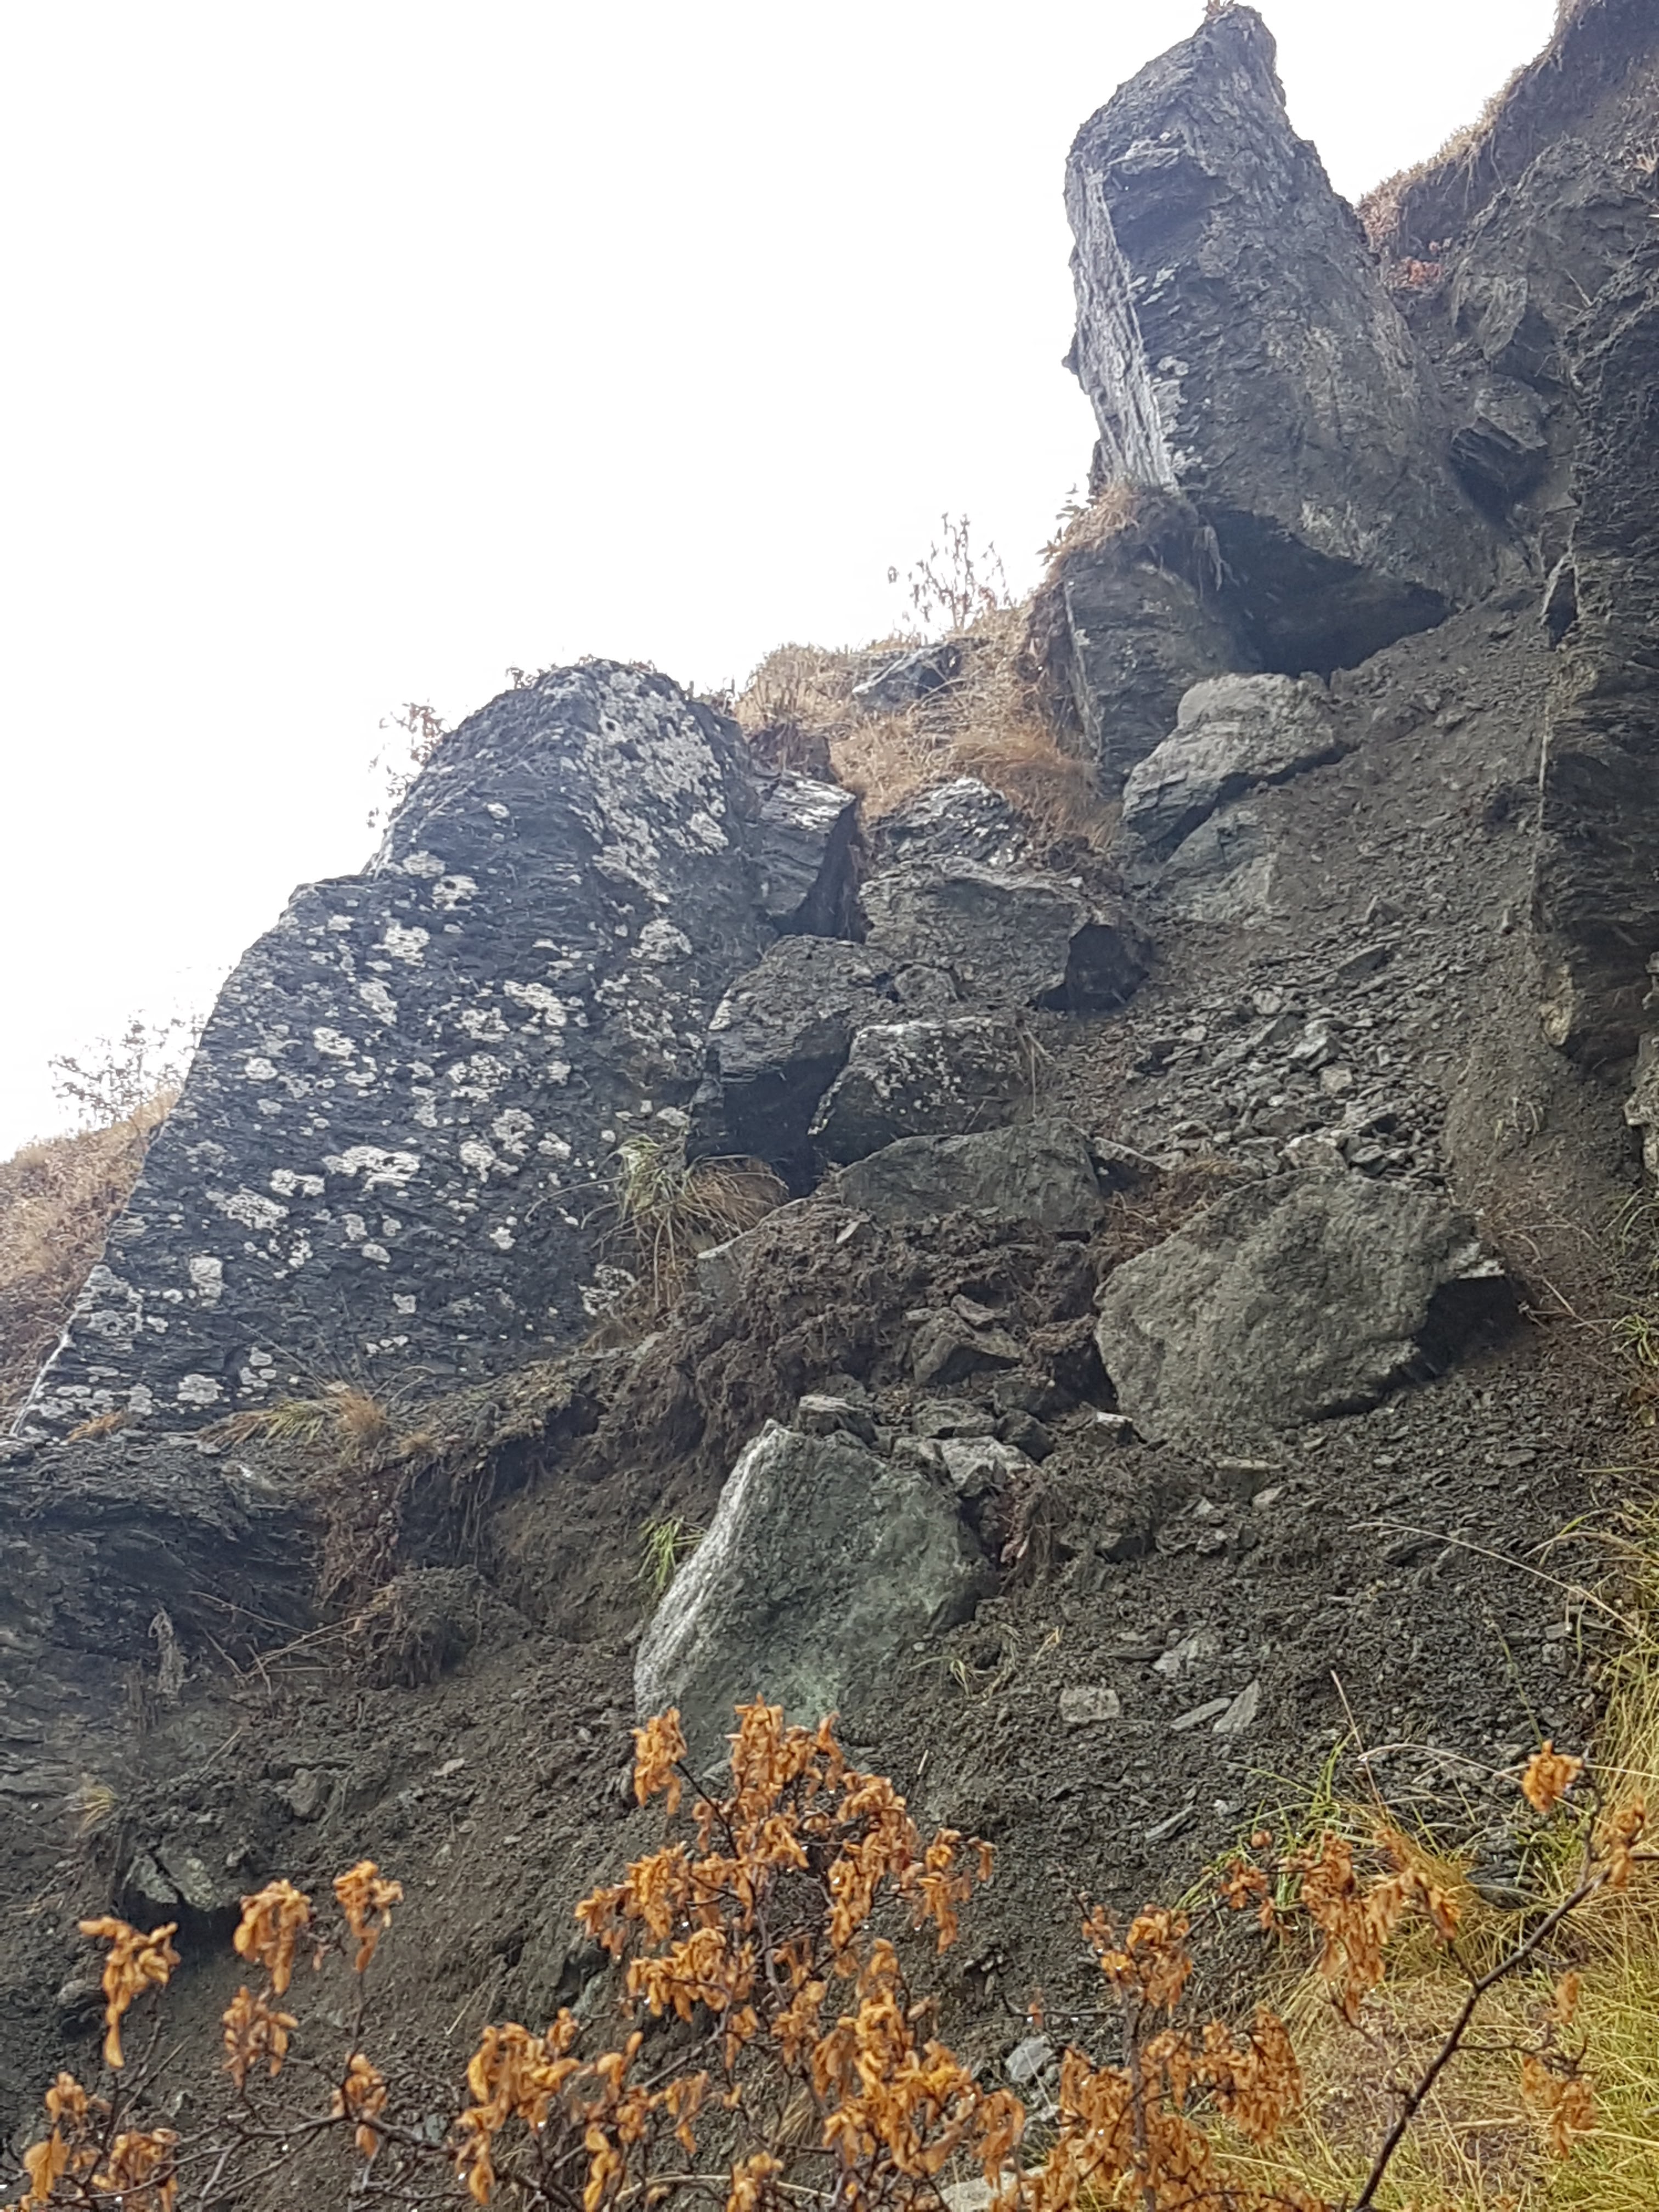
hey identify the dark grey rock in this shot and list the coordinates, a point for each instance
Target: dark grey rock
(1236, 341)
(375, 1165)
(1125, 627)
(1289, 1301)
(1231, 733)
(778, 1040)
(806, 844)
(1595, 893)
(922, 1079)
(962, 820)
(823, 1569)
(1023, 939)
(1038, 1173)
(1504, 448)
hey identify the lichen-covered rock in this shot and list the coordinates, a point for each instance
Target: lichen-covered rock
(925, 1078)
(1595, 904)
(385, 1159)
(823, 1569)
(1038, 1174)
(1025, 939)
(1231, 733)
(1289, 1301)
(1236, 342)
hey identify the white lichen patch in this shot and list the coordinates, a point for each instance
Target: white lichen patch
(484, 1024)
(331, 1043)
(423, 866)
(257, 1069)
(198, 1391)
(545, 1006)
(288, 1184)
(475, 1154)
(513, 1130)
(502, 1239)
(379, 1169)
(660, 941)
(406, 944)
(207, 1275)
(378, 1000)
(250, 1207)
(451, 891)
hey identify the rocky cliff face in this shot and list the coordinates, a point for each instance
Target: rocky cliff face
(1160, 1323)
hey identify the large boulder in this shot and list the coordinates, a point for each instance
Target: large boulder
(1025, 939)
(1289, 1301)
(778, 1040)
(823, 1569)
(1596, 902)
(1129, 622)
(384, 1158)
(1037, 1175)
(917, 1078)
(1231, 733)
(1236, 342)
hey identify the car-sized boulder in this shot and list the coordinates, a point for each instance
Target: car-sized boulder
(823, 1569)
(1291, 1301)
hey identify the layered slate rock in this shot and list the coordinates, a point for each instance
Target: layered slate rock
(1038, 1175)
(1229, 734)
(1237, 342)
(1595, 904)
(400, 1121)
(1289, 1301)
(1127, 624)
(822, 1570)
(805, 838)
(1021, 938)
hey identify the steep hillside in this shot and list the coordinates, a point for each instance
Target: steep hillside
(1123, 1266)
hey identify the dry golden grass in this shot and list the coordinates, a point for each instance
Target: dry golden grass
(987, 721)
(1474, 2147)
(58, 1199)
(1380, 210)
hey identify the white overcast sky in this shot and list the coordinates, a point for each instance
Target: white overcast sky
(357, 350)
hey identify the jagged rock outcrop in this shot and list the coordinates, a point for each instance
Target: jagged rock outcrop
(1289, 1301)
(1238, 343)
(1597, 890)
(822, 1568)
(387, 1154)
(910, 1079)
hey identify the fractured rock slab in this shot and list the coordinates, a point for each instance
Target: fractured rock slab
(1231, 733)
(823, 1569)
(1291, 1301)
(1039, 1174)
(925, 1078)
(1025, 939)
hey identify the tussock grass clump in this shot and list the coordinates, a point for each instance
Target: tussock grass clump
(668, 1210)
(58, 1199)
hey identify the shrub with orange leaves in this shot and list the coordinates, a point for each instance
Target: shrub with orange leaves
(135, 1963)
(766, 1935)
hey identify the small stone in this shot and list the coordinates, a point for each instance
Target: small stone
(1086, 1705)
(1026, 1434)
(1364, 961)
(1029, 2061)
(819, 1415)
(1172, 1826)
(1114, 1428)
(1242, 1710)
(975, 1466)
(952, 1416)
(306, 1794)
(1202, 1644)
(1199, 1715)
(1335, 1082)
